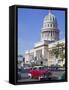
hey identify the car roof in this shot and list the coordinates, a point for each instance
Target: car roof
(38, 66)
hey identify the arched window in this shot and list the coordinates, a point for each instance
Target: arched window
(48, 25)
(54, 25)
(51, 25)
(53, 18)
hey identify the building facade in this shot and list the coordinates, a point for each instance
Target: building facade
(41, 52)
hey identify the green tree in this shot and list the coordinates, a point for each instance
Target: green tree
(62, 53)
(55, 50)
(58, 50)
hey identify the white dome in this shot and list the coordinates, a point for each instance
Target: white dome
(50, 21)
(50, 18)
(50, 30)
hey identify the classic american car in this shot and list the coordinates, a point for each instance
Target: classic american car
(38, 72)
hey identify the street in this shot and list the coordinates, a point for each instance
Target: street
(55, 74)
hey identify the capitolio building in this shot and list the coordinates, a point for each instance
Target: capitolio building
(45, 52)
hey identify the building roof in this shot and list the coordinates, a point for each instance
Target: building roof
(55, 43)
(50, 17)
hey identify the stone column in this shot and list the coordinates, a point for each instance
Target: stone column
(34, 52)
(45, 54)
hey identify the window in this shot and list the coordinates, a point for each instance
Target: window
(51, 25)
(48, 25)
(53, 18)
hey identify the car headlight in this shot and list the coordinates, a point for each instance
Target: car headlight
(29, 74)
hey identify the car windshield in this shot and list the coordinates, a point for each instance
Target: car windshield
(34, 68)
(41, 68)
(38, 68)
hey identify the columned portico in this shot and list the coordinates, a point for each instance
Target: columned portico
(40, 51)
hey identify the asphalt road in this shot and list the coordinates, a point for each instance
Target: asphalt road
(26, 78)
(57, 73)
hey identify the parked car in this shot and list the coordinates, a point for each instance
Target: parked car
(38, 72)
(23, 73)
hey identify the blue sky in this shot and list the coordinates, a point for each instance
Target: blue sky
(30, 22)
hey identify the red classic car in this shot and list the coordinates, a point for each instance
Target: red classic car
(38, 72)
